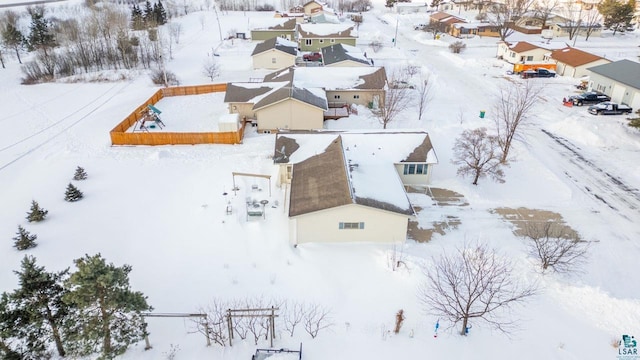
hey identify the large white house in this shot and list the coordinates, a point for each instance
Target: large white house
(350, 186)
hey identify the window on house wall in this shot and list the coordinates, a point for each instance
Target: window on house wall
(332, 41)
(356, 96)
(289, 172)
(321, 41)
(351, 225)
(273, 60)
(415, 169)
(308, 42)
(529, 58)
(336, 97)
(512, 54)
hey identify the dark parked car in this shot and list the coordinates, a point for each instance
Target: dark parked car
(544, 73)
(609, 108)
(312, 57)
(590, 97)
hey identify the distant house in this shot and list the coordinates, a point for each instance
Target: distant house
(620, 80)
(530, 23)
(344, 55)
(574, 62)
(410, 8)
(312, 7)
(446, 20)
(464, 30)
(268, 28)
(523, 51)
(562, 29)
(313, 37)
(324, 18)
(336, 181)
(275, 53)
(299, 16)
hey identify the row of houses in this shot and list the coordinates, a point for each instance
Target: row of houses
(308, 36)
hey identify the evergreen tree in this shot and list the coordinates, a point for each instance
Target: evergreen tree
(13, 39)
(616, 15)
(36, 214)
(9, 328)
(40, 36)
(149, 15)
(80, 174)
(72, 193)
(24, 240)
(160, 13)
(39, 309)
(109, 311)
(137, 18)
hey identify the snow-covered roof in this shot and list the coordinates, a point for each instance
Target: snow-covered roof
(332, 78)
(276, 43)
(265, 23)
(341, 52)
(326, 30)
(351, 167)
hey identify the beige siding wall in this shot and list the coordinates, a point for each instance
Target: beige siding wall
(273, 60)
(243, 109)
(423, 179)
(581, 71)
(349, 96)
(309, 8)
(323, 226)
(290, 114)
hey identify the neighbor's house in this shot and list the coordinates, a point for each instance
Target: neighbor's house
(464, 30)
(275, 53)
(620, 80)
(523, 51)
(562, 29)
(530, 23)
(313, 37)
(344, 55)
(350, 187)
(267, 28)
(410, 8)
(299, 16)
(324, 18)
(574, 62)
(312, 7)
(446, 21)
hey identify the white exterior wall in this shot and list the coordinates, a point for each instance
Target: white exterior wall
(618, 92)
(578, 71)
(347, 96)
(273, 59)
(513, 57)
(290, 114)
(422, 179)
(323, 226)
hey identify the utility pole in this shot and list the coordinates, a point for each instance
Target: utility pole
(395, 38)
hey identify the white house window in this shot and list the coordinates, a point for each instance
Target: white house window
(289, 172)
(529, 58)
(512, 54)
(356, 96)
(308, 41)
(336, 97)
(321, 41)
(332, 41)
(415, 169)
(273, 60)
(351, 225)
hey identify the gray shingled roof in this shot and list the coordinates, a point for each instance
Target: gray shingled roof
(274, 43)
(289, 92)
(337, 53)
(239, 94)
(624, 71)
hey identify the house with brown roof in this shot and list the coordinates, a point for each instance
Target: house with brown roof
(350, 186)
(313, 37)
(268, 28)
(446, 21)
(523, 51)
(275, 53)
(574, 62)
(467, 30)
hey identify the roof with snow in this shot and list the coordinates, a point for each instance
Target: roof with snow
(624, 71)
(336, 31)
(276, 43)
(333, 169)
(272, 24)
(522, 46)
(268, 93)
(332, 78)
(574, 57)
(340, 52)
(324, 18)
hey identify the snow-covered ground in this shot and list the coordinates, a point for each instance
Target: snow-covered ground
(162, 209)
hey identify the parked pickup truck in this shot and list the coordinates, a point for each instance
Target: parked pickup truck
(590, 97)
(609, 108)
(312, 57)
(543, 73)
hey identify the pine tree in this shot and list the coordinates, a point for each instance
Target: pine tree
(80, 174)
(149, 15)
(13, 39)
(616, 15)
(40, 36)
(36, 214)
(24, 240)
(109, 311)
(160, 13)
(72, 193)
(137, 18)
(9, 331)
(38, 308)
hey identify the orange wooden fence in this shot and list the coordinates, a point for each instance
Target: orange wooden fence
(119, 136)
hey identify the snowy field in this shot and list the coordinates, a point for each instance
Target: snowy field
(163, 209)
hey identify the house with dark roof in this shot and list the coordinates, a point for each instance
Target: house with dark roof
(275, 53)
(562, 29)
(350, 186)
(312, 7)
(313, 37)
(267, 28)
(344, 55)
(620, 80)
(524, 51)
(574, 62)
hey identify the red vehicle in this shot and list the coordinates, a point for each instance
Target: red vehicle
(312, 57)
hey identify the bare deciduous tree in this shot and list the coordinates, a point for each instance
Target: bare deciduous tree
(512, 110)
(592, 20)
(473, 283)
(396, 99)
(543, 10)
(211, 69)
(555, 246)
(215, 322)
(478, 155)
(457, 47)
(434, 27)
(292, 316)
(376, 45)
(316, 318)
(503, 14)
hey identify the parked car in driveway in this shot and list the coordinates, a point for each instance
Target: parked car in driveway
(543, 73)
(590, 97)
(312, 57)
(609, 108)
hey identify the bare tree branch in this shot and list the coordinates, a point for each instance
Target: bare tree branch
(478, 155)
(396, 99)
(555, 245)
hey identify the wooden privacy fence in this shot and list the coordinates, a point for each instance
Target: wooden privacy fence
(120, 136)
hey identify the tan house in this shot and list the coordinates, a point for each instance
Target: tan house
(313, 37)
(268, 28)
(466, 30)
(299, 16)
(344, 56)
(523, 51)
(275, 53)
(563, 29)
(312, 7)
(574, 62)
(334, 182)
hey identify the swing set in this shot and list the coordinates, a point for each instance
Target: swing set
(149, 115)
